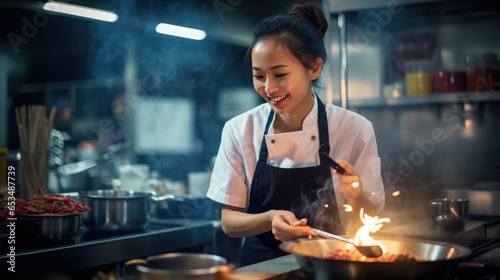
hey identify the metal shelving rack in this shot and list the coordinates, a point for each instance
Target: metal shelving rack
(435, 11)
(442, 98)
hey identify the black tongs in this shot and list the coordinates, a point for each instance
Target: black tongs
(333, 164)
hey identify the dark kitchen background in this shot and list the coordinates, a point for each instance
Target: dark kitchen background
(138, 110)
(102, 77)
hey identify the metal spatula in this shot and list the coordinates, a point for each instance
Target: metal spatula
(372, 251)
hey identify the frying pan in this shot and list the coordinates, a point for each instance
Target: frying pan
(438, 259)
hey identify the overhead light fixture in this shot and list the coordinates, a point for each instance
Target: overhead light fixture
(80, 11)
(180, 31)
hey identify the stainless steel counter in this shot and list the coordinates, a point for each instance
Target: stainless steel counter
(93, 248)
(285, 267)
(472, 228)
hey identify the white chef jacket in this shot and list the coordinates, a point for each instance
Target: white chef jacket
(351, 139)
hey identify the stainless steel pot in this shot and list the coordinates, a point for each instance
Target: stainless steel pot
(449, 213)
(48, 227)
(180, 266)
(114, 210)
(439, 258)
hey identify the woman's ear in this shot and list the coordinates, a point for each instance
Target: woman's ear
(316, 68)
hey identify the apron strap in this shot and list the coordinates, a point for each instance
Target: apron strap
(263, 150)
(324, 145)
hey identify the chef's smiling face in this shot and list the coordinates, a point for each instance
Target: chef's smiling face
(281, 79)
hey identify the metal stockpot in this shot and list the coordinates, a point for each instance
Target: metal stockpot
(114, 210)
(449, 213)
(180, 266)
(48, 227)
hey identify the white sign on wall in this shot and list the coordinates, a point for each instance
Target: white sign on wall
(164, 125)
(236, 100)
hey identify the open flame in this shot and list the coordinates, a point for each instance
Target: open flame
(370, 225)
(347, 208)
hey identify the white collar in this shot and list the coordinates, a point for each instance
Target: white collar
(310, 122)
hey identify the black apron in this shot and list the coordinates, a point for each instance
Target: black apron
(304, 191)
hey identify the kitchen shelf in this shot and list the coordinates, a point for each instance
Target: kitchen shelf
(441, 98)
(340, 6)
(384, 35)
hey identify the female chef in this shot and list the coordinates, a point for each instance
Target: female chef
(268, 174)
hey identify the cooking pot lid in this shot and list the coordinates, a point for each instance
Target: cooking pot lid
(114, 194)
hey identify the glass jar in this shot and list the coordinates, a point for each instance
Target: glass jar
(446, 81)
(418, 77)
(155, 184)
(482, 71)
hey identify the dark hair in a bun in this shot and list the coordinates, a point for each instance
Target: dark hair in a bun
(301, 31)
(310, 12)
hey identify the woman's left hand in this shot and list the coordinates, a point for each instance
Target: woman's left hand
(285, 226)
(350, 183)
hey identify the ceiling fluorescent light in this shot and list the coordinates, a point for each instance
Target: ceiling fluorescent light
(80, 11)
(179, 31)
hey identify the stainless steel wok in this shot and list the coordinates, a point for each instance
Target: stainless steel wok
(439, 259)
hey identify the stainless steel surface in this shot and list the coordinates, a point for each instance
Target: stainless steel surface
(92, 249)
(114, 210)
(482, 197)
(369, 251)
(448, 98)
(335, 6)
(79, 175)
(285, 267)
(310, 255)
(180, 266)
(85, 165)
(472, 228)
(47, 227)
(448, 213)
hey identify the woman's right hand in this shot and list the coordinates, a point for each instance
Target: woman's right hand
(285, 226)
